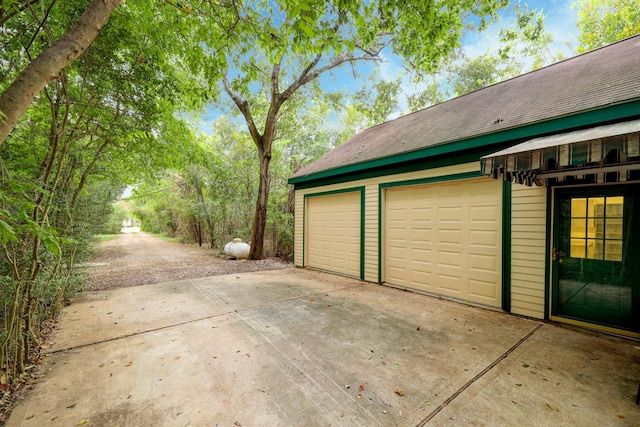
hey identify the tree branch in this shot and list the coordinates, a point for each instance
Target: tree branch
(19, 95)
(243, 106)
(5, 17)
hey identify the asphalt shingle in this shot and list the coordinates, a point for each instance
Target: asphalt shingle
(597, 79)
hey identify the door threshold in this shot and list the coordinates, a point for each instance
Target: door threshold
(596, 328)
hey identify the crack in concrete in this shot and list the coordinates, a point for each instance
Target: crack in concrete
(477, 377)
(186, 322)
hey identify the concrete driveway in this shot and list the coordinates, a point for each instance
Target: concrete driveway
(302, 348)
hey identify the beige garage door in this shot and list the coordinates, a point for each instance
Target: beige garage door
(332, 241)
(445, 238)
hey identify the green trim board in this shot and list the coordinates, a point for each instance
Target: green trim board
(419, 181)
(362, 190)
(417, 165)
(547, 255)
(506, 246)
(486, 143)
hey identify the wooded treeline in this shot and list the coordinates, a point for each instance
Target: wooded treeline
(124, 115)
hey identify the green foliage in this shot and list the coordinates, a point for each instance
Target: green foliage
(106, 121)
(117, 213)
(431, 95)
(476, 73)
(105, 237)
(377, 101)
(601, 22)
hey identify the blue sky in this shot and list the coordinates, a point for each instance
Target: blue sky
(560, 21)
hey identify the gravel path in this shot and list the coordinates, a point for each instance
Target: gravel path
(134, 259)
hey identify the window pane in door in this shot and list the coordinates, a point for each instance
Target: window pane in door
(578, 208)
(598, 226)
(614, 206)
(613, 250)
(577, 248)
(595, 207)
(579, 228)
(614, 228)
(594, 249)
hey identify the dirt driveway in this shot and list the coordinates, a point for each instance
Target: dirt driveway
(135, 258)
(301, 348)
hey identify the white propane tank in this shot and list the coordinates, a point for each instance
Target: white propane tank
(237, 249)
(227, 248)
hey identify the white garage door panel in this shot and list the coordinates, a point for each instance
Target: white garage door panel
(333, 239)
(445, 238)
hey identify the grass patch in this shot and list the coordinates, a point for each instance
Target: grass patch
(166, 238)
(105, 237)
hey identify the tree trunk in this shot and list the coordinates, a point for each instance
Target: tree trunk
(260, 219)
(19, 95)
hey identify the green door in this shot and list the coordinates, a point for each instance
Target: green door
(595, 249)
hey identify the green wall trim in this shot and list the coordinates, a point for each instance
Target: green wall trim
(551, 217)
(506, 246)
(433, 179)
(479, 145)
(430, 180)
(362, 190)
(416, 165)
(380, 233)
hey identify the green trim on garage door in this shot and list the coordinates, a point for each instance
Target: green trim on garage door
(360, 189)
(431, 180)
(506, 246)
(445, 239)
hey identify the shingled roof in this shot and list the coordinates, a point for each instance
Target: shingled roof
(603, 77)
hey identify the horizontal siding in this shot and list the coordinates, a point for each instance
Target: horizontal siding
(298, 230)
(371, 225)
(371, 233)
(528, 237)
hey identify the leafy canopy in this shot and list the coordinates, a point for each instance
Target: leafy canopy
(601, 22)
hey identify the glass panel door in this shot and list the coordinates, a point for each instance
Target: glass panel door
(593, 257)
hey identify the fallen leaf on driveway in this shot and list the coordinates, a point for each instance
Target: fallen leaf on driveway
(361, 387)
(553, 407)
(130, 363)
(177, 357)
(83, 422)
(399, 391)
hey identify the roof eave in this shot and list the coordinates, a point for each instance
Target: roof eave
(618, 111)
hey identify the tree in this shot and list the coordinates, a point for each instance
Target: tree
(476, 73)
(378, 101)
(601, 22)
(106, 120)
(284, 45)
(29, 83)
(524, 45)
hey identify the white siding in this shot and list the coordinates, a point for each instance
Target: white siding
(528, 231)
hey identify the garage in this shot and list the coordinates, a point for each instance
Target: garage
(334, 232)
(444, 238)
